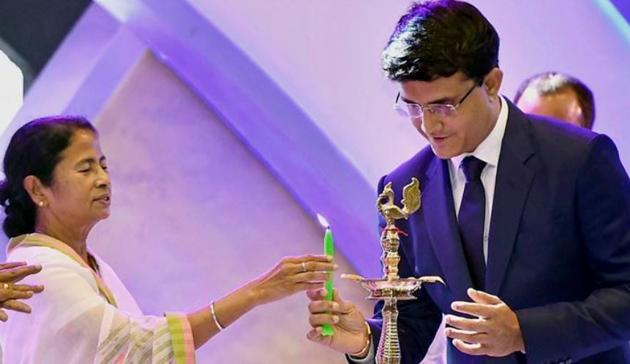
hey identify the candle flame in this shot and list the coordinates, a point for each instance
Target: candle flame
(322, 221)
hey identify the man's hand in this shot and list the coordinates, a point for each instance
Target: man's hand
(494, 329)
(349, 324)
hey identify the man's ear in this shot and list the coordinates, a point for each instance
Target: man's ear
(35, 189)
(492, 82)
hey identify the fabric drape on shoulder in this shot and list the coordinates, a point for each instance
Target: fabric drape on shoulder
(85, 317)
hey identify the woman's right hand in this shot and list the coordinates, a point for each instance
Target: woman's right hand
(291, 275)
(11, 293)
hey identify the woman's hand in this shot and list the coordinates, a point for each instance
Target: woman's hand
(11, 293)
(291, 275)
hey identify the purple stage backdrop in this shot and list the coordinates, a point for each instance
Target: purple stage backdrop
(229, 125)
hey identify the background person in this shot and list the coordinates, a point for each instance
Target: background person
(559, 96)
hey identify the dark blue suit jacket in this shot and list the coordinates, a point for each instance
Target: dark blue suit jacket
(558, 251)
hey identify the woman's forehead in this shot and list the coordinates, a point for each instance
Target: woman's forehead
(83, 144)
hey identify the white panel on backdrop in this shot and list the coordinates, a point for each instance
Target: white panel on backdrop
(11, 90)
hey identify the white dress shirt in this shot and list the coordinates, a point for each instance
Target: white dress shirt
(488, 151)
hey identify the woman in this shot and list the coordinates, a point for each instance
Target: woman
(57, 188)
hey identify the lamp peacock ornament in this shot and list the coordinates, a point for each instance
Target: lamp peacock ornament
(391, 288)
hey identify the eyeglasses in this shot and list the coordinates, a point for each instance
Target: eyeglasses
(416, 111)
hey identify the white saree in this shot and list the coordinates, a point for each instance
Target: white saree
(84, 316)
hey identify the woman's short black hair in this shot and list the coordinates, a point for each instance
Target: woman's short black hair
(438, 39)
(34, 149)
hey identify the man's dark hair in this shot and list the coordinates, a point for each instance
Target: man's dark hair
(551, 83)
(438, 39)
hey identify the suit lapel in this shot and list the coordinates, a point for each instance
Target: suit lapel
(513, 182)
(441, 222)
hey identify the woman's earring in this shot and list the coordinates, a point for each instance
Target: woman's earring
(41, 203)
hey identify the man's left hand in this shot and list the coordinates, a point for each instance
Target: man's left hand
(494, 329)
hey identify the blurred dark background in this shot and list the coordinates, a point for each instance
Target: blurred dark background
(31, 31)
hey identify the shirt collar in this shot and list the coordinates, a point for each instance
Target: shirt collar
(490, 148)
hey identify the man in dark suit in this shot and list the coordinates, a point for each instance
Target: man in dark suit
(527, 219)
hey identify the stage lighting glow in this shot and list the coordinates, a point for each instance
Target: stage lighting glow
(610, 10)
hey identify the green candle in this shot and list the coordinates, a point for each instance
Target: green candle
(329, 250)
